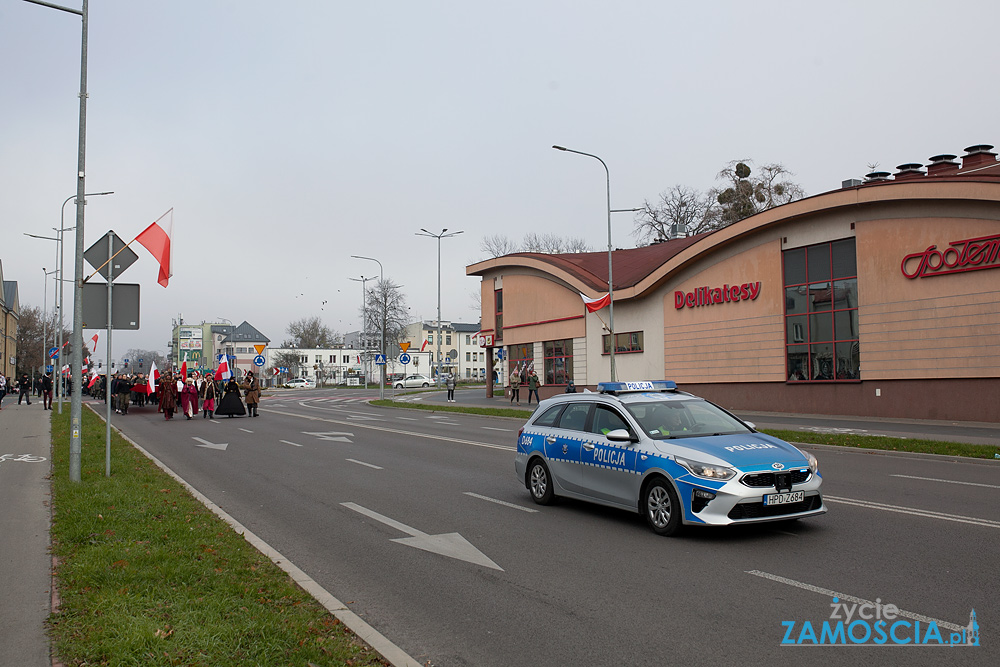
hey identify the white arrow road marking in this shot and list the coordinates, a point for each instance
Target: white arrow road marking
(290, 443)
(451, 545)
(336, 436)
(211, 445)
(362, 463)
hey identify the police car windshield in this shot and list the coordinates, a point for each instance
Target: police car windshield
(662, 420)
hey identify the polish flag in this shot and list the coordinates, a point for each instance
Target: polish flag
(222, 372)
(423, 346)
(184, 369)
(94, 350)
(156, 239)
(594, 305)
(93, 379)
(154, 375)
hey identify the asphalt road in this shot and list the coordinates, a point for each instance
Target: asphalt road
(367, 501)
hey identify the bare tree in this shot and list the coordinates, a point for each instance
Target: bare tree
(289, 360)
(497, 245)
(309, 332)
(385, 303)
(680, 209)
(743, 195)
(552, 244)
(140, 361)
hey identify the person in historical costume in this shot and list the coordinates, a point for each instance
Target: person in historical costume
(207, 393)
(189, 398)
(167, 391)
(231, 404)
(251, 389)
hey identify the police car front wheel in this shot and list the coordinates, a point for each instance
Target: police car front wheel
(661, 507)
(540, 482)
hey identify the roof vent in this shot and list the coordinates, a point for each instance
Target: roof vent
(942, 164)
(909, 170)
(978, 155)
(877, 177)
(850, 183)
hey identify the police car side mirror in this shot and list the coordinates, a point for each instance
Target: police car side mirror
(751, 425)
(620, 435)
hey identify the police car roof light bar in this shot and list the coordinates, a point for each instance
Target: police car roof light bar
(623, 387)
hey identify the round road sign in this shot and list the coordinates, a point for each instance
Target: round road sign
(404, 358)
(258, 360)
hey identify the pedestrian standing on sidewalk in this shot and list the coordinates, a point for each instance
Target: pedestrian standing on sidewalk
(3, 389)
(449, 383)
(515, 386)
(533, 384)
(24, 389)
(47, 391)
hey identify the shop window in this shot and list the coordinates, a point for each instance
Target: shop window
(558, 356)
(624, 342)
(520, 358)
(821, 312)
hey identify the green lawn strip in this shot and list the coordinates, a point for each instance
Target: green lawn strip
(807, 437)
(469, 410)
(889, 444)
(148, 576)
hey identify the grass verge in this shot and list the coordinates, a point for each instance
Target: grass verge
(148, 576)
(890, 444)
(806, 437)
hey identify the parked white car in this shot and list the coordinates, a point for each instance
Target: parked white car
(413, 381)
(304, 383)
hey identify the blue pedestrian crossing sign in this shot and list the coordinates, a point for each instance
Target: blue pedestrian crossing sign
(258, 360)
(404, 358)
(380, 360)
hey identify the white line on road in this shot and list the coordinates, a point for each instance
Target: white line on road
(949, 481)
(493, 428)
(409, 419)
(958, 518)
(500, 502)
(362, 463)
(850, 598)
(246, 430)
(290, 443)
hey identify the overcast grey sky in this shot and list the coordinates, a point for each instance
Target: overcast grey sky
(288, 136)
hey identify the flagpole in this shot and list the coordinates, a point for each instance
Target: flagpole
(110, 248)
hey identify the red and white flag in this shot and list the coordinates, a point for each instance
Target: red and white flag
(423, 346)
(222, 372)
(94, 339)
(93, 379)
(594, 305)
(156, 239)
(154, 375)
(184, 369)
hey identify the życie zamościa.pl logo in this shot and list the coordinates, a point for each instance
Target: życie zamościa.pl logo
(855, 622)
(958, 257)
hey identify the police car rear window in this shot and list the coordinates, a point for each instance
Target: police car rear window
(550, 416)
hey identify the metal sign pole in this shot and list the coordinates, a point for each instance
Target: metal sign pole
(107, 371)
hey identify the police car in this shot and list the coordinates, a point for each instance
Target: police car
(674, 457)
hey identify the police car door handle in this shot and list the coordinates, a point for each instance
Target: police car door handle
(589, 446)
(551, 440)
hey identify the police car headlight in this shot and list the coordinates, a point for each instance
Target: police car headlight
(813, 463)
(706, 470)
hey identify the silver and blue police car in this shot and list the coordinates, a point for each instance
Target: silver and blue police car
(674, 457)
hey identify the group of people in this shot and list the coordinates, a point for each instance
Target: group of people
(516, 380)
(23, 387)
(203, 391)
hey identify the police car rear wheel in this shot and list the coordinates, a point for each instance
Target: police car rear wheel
(539, 483)
(662, 509)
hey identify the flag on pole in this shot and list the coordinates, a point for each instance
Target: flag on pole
(184, 369)
(156, 239)
(93, 379)
(423, 346)
(594, 305)
(222, 372)
(154, 375)
(94, 350)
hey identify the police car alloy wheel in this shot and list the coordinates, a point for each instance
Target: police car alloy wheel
(661, 507)
(539, 483)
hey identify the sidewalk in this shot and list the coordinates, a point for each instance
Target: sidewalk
(25, 562)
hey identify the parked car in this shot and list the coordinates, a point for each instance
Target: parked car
(304, 383)
(413, 381)
(393, 378)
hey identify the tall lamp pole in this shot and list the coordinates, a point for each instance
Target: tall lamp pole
(381, 281)
(364, 315)
(45, 317)
(442, 235)
(611, 289)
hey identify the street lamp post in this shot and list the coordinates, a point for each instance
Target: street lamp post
(442, 235)
(381, 281)
(611, 289)
(364, 317)
(45, 317)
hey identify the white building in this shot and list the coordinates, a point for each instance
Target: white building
(460, 351)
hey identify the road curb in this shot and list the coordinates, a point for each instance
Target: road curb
(365, 632)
